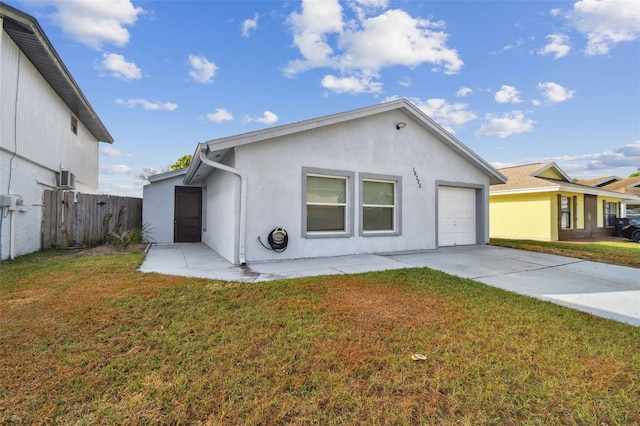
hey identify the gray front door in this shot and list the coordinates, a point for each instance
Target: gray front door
(590, 213)
(187, 215)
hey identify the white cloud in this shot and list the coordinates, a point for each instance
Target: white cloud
(351, 85)
(624, 156)
(463, 92)
(152, 106)
(373, 4)
(554, 92)
(507, 94)
(405, 82)
(508, 47)
(120, 169)
(310, 33)
(267, 118)
(502, 164)
(606, 23)
(362, 8)
(363, 46)
(509, 124)
(555, 12)
(202, 70)
(248, 25)
(96, 23)
(220, 115)
(110, 151)
(558, 45)
(396, 38)
(120, 68)
(448, 115)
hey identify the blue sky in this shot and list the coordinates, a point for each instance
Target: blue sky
(516, 81)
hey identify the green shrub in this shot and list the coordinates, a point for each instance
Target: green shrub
(124, 239)
(136, 236)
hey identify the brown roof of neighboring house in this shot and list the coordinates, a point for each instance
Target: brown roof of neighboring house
(530, 178)
(626, 186)
(600, 181)
(524, 177)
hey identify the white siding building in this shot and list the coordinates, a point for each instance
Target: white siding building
(49, 133)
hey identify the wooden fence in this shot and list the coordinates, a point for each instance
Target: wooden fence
(79, 220)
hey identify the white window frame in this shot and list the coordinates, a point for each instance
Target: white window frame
(606, 213)
(397, 203)
(348, 221)
(569, 212)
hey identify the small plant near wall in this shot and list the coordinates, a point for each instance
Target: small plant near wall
(122, 240)
(126, 238)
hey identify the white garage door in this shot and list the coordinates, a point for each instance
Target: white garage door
(456, 216)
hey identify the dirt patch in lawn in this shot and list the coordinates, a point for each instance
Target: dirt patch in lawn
(362, 303)
(106, 249)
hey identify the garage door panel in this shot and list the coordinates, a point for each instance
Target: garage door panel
(456, 216)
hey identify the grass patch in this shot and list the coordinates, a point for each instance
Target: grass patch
(89, 340)
(623, 252)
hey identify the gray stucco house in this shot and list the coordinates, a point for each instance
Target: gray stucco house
(385, 178)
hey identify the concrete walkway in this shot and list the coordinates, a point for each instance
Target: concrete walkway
(608, 291)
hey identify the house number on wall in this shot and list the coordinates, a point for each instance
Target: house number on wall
(415, 173)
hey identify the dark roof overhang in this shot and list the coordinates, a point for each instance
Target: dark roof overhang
(27, 34)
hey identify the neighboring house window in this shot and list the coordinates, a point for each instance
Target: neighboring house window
(633, 214)
(565, 212)
(74, 125)
(328, 203)
(610, 213)
(380, 205)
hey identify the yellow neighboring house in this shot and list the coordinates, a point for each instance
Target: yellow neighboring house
(540, 202)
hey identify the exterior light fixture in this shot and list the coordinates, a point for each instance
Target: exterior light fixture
(400, 125)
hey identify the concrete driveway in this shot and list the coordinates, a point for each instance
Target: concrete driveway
(608, 291)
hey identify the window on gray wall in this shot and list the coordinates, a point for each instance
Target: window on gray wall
(328, 203)
(380, 214)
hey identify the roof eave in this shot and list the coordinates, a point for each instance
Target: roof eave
(167, 175)
(25, 31)
(495, 177)
(560, 188)
(553, 165)
(195, 164)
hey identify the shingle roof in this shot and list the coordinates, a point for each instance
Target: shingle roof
(600, 181)
(27, 34)
(627, 186)
(522, 179)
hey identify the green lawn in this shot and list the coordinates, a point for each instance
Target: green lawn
(622, 252)
(86, 340)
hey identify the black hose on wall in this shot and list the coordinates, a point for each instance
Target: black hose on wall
(278, 240)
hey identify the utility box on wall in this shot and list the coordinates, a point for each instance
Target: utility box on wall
(5, 201)
(11, 201)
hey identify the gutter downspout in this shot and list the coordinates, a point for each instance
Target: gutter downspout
(243, 200)
(1, 220)
(12, 236)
